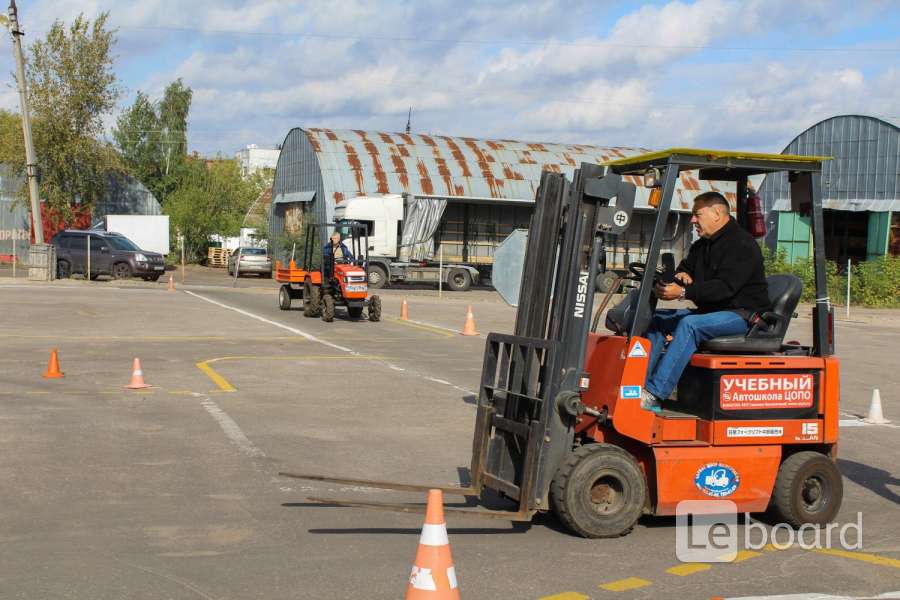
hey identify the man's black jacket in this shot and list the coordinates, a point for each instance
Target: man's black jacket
(728, 273)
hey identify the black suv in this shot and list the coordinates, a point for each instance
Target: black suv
(111, 254)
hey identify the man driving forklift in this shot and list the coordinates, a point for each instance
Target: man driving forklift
(723, 275)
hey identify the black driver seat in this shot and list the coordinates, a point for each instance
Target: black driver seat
(767, 332)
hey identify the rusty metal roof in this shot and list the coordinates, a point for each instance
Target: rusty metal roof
(356, 163)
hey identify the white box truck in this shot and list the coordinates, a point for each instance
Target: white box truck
(149, 232)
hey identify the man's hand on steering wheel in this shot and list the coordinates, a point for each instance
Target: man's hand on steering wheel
(668, 291)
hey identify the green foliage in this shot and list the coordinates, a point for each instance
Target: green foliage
(152, 137)
(211, 198)
(877, 282)
(873, 283)
(71, 87)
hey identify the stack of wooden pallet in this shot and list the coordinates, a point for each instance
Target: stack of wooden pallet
(217, 257)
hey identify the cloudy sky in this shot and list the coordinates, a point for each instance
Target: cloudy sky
(708, 73)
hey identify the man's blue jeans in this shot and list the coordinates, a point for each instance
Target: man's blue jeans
(688, 331)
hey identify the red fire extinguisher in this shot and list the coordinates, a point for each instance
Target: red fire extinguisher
(756, 221)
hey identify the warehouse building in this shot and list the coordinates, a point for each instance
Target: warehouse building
(860, 191)
(489, 185)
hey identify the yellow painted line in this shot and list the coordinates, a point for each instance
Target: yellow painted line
(225, 386)
(424, 327)
(874, 559)
(740, 556)
(623, 585)
(774, 548)
(216, 378)
(566, 596)
(37, 393)
(687, 569)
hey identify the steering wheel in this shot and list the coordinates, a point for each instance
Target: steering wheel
(638, 269)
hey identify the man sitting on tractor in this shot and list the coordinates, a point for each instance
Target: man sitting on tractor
(330, 252)
(723, 275)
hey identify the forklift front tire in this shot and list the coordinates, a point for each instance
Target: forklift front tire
(808, 489)
(599, 491)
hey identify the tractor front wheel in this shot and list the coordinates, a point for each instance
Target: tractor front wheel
(599, 491)
(808, 489)
(328, 308)
(312, 295)
(374, 308)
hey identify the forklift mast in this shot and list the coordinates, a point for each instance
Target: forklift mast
(531, 380)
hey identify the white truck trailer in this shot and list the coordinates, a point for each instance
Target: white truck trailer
(424, 239)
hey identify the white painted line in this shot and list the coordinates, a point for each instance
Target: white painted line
(232, 430)
(313, 338)
(852, 423)
(293, 330)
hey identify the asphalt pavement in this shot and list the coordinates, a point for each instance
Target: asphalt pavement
(173, 492)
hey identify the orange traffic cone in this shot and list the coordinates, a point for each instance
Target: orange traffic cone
(404, 310)
(171, 283)
(53, 371)
(137, 377)
(433, 576)
(469, 327)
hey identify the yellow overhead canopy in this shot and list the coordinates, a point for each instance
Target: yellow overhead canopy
(713, 155)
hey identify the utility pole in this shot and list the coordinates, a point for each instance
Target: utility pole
(30, 158)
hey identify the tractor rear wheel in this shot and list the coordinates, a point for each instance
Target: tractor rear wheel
(311, 300)
(808, 489)
(599, 491)
(328, 308)
(374, 308)
(284, 297)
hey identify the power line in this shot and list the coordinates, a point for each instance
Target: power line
(464, 41)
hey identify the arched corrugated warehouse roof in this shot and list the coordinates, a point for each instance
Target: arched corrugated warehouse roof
(864, 173)
(330, 165)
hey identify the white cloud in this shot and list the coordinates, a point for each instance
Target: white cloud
(554, 70)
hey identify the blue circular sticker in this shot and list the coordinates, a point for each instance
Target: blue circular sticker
(717, 480)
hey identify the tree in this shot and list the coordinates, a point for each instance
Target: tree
(137, 136)
(211, 198)
(152, 137)
(71, 87)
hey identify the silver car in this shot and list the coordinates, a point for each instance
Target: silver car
(253, 260)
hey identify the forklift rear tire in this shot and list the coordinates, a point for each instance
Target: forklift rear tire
(311, 300)
(808, 489)
(284, 297)
(599, 491)
(328, 308)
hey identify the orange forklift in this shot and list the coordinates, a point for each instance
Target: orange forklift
(559, 425)
(324, 283)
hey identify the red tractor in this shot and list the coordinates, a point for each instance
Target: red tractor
(324, 282)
